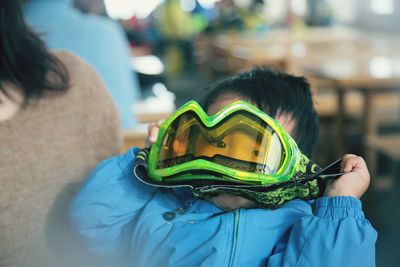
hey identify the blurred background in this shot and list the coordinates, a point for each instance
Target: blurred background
(171, 49)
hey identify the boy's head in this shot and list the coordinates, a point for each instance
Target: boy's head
(284, 97)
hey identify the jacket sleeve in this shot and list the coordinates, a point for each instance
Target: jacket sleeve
(106, 206)
(337, 234)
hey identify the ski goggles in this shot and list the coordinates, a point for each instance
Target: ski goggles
(239, 150)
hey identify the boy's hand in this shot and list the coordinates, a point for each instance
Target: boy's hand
(354, 183)
(152, 132)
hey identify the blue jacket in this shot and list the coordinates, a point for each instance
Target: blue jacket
(98, 40)
(124, 220)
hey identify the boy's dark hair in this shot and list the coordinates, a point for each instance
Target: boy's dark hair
(274, 92)
(24, 59)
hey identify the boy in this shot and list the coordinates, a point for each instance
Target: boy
(127, 221)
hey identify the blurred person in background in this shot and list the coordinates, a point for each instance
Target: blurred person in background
(99, 40)
(57, 121)
(320, 13)
(232, 17)
(177, 29)
(228, 18)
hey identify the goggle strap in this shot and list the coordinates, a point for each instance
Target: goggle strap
(270, 199)
(332, 171)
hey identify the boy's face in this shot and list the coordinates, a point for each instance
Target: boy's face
(231, 202)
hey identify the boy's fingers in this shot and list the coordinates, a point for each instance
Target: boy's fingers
(354, 182)
(346, 167)
(152, 130)
(351, 162)
(153, 135)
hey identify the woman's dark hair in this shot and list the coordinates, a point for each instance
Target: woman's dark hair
(24, 59)
(274, 92)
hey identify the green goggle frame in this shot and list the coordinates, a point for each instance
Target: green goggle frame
(178, 158)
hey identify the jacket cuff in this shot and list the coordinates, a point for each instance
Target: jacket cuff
(339, 208)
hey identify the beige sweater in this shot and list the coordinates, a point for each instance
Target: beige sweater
(46, 150)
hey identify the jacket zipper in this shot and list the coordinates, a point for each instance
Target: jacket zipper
(235, 236)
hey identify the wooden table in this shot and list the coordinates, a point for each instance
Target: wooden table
(153, 110)
(275, 48)
(389, 145)
(371, 75)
